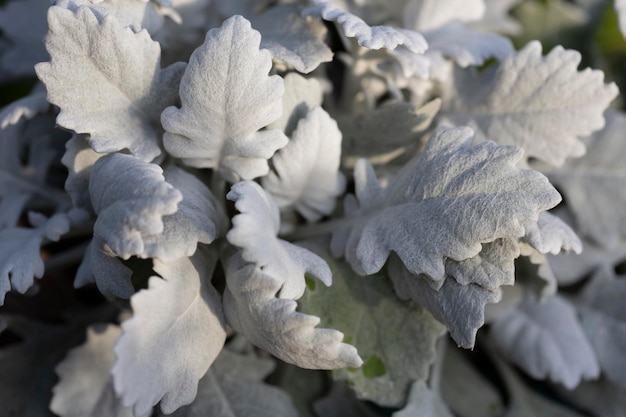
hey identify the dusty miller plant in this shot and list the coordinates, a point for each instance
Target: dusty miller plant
(259, 189)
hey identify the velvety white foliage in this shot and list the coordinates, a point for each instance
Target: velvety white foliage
(423, 402)
(20, 259)
(603, 317)
(306, 172)
(426, 15)
(541, 103)
(460, 307)
(85, 388)
(595, 185)
(292, 38)
(552, 235)
(226, 97)
(23, 22)
(130, 197)
(255, 230)
(79, 159)
(176, 332)
(234, 387)
(252, 308)
(199, 219)
(301, 95)
(371, 37)
(547, 341)
(88, 77)
(422, 214)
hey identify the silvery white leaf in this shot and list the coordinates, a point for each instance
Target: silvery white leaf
(423, 402)
(85, 388)
(459, 307)
(199, 219)
(292, 38)
(23, 22)
(87, 78)
(595, 185)
(603, 317)
(252, 308)
(422, 214)
(552, 235)
(176, 332)
(130, 197)
(20, 258)
(255, 230)
(301, 95)
(541, 103)
(100, 265)
(226, 98)
(547, 341)
(234, 387)
(79, 159)
(425, 15)
(371, 37)
(306, 172)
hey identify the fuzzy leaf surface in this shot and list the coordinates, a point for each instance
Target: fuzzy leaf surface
(543, 104)
(177, 331)
(552, 235)
(546, 340)
(423, 214)
(131, 198)
(372, 37)
(306, 172)
(89, 78)
(226, 97)
(395, 338)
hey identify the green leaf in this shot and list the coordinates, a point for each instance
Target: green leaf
(395, 338)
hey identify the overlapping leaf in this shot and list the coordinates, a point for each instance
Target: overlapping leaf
(226, 98)
(547, 341)
(176, 332)
(306, 173)
(552, 235)
(88, 78)
(444, 204)
(131, 198)
(372, 37)
(542, 104)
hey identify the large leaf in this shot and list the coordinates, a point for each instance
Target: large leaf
(595, 185)
(107, 81)
(131, 198)
(226, 97)
(176, 332)
(395, 338)
(547, 341)
(372, 37)
(542, 104)
(443, 204)
(306, 173)
(85, 388)
(234, 387)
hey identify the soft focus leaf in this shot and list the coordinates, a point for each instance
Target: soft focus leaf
(543, 104)
(395, 338)
(620, 8)
(423, 402)
(131, 198)
(79, 159)
(423, 214)
(101, 266)
(234, 387)
(292, 38)
(176, 332)
(600, 398)
(88, 78)
(226, 98)
(546, 340)
(552, 235)
(426, 15)
(497, 17)
(306, 173)
(372, 37)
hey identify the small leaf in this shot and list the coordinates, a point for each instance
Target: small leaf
(176, 332)
(306, 172)
(546, 340)
(87, 78)
(552, 235)
(226, 97)
(372, 37)
(542, 104)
